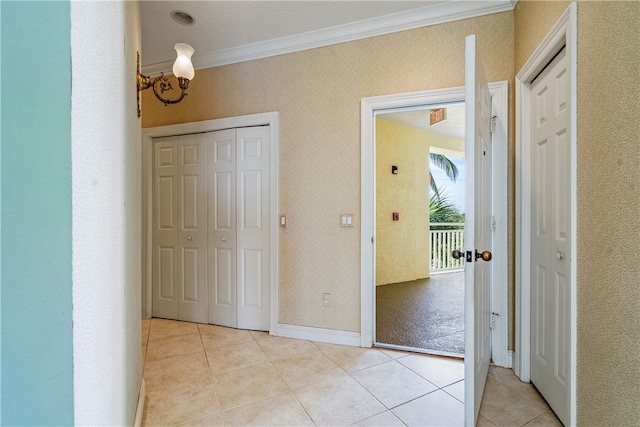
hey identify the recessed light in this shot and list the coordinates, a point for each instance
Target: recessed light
(182, 18)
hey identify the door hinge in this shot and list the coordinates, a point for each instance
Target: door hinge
(493, 320)
(493, 123)
(493, 223)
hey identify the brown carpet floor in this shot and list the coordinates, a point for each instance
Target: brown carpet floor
(424, 314)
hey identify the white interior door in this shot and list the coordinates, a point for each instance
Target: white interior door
(253, 228)
(179, 274)
(550, 235)
(211, 258)
(222, 228)
(477, 231)
(239, 228)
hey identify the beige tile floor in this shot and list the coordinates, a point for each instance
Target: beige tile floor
(205, 375)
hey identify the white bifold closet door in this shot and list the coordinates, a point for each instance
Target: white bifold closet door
(238, 228)
(180, 228)
(211, 216)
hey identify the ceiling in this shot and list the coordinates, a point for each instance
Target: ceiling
(226, 32)
(452, 126)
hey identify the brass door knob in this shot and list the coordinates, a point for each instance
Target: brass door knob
(485, 255)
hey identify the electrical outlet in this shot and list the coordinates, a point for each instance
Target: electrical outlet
(326, 298)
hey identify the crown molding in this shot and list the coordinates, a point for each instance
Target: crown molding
(416, 18)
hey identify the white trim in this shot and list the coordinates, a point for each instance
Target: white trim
(330, 336)
(563, 33)
(140, 408)
(500, 261)
(270, 119)
(369, 108)
(438, 13)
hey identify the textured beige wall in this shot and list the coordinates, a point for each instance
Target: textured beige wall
(402, 247)
(608, 273)
(317, 94)
(608, 213)
(532, 21)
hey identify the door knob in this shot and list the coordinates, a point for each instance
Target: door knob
(457, 254)
(485, 255)
(224, 239)
(560, 255)
(189, 238)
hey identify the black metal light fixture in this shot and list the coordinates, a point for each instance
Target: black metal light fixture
(182, 69)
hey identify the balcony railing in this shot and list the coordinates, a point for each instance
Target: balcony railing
(445, 237)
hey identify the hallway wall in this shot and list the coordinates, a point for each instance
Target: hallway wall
(106, 161)
(608, 295)
(608, 206)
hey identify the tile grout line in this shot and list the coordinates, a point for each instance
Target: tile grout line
(362, 369)
(396, 360)
(215, 392)
(443, 389)
(270, 361)
(292, 391)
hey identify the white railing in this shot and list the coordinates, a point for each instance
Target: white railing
(445, 237)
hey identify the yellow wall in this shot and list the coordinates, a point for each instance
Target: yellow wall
(317, 94)
(608, 158)
(402, 247)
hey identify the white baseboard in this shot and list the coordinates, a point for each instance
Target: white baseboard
(330, 336)
(512, 359)
(140, 408)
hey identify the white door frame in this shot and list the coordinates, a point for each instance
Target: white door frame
(270, 119)
(369, 108)
(563, 34)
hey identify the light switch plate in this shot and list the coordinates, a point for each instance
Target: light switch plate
(346, 220)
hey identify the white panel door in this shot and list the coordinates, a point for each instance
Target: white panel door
(477, 231)
(211, 260)
(179, 276)
(222, 228)
(239, 228)
(165, 227)
(192, 233)
(253, 228)
(550, 240)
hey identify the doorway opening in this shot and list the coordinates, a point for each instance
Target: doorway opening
(370, 107)
(419, 221)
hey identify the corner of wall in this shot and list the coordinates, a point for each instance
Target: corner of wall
(106, 163)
